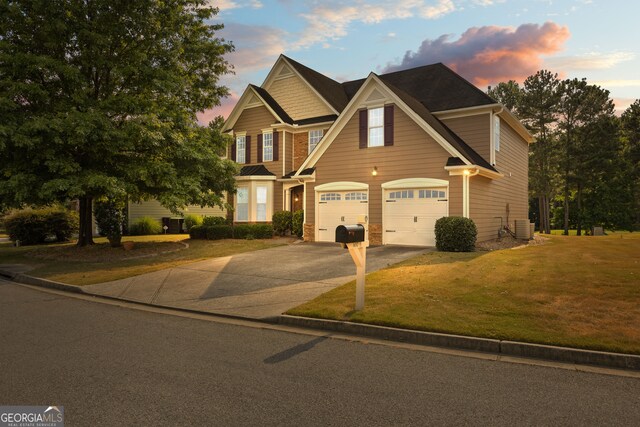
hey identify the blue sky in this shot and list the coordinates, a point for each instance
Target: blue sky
(486, 41)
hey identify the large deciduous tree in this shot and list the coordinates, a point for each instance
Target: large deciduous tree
(99, 97)
(631, 151)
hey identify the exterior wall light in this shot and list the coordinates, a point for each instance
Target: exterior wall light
(374, 172)
(466, 172)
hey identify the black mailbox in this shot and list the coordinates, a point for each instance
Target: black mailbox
(350, 233)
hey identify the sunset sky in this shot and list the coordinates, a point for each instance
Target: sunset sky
(486, 41)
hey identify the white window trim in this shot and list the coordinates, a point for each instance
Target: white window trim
(369, 127)
(264, 146)
(235, 215)
(309, 149)
(242, 135)
(252, 196)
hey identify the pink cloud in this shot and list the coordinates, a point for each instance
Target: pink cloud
(224, 109)
(491, 54)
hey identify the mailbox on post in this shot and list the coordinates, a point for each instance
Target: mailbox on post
(352, 237)
(349, 234)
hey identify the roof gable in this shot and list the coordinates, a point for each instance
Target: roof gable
(327, 91)
(375, 86)
(254, 96)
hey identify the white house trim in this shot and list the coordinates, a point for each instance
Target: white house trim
(415, 183)
(342, 186)
(256, 178)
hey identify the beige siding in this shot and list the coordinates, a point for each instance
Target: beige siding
(253, 121)
(154, 209)
(489, 198)
(297, 98)
(413, 155)
(475, 131)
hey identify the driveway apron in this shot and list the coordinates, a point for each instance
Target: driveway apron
(258, 284)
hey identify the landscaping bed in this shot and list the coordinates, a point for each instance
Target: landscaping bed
(581, 292)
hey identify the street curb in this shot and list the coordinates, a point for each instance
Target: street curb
(485, 345)
(506, 348)
(36, 281)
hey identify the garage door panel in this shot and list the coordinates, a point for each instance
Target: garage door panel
(410, 215)
(339, 208)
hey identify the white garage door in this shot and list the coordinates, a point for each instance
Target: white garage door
(410, 215)
(338, 208)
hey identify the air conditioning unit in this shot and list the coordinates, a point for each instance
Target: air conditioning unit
(522, 229)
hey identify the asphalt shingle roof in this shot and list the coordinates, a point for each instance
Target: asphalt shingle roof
(258, 170)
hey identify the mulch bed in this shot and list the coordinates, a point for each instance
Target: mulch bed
(509, 242)
(103, 252)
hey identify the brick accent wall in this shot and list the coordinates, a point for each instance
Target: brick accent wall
(309, 232)
(375, 234)
(300, 148)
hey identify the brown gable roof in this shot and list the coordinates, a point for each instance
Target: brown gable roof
(329, 89)
(450, 136)
(273, 104)
(436, 86)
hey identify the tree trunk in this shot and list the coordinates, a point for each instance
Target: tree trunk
(547, 215)
(541, 213)
(579, 211)
(85, 236)
(566, 208)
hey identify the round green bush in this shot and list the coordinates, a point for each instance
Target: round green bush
(190, 220)
(144, 226)
(456, 234)
(109, 214)
(33, 226)
(297, 222)
(281, 222)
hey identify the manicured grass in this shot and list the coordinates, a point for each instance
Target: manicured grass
(572, 291)
(100, 263)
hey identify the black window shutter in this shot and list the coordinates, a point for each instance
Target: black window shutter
(364, 128)
(233, 152)
(275, 146)
(247, 150)
(259, 148)
(388, 125)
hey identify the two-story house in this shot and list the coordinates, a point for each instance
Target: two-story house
(400, 149)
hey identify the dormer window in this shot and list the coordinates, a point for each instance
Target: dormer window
(241, 145)
(376, 127)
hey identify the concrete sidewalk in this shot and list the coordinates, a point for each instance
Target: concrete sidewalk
(257, 285)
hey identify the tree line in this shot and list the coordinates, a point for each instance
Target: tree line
(584, 167)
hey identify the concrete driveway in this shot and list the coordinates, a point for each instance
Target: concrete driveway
(258, 284)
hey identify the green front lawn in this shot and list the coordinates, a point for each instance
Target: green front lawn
(100, 263)
(572, 291)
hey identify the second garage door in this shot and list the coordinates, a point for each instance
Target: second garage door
(338, 208)
(410, 215)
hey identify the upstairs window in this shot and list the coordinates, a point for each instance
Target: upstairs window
(267, 147)
(314, 138)
(241, 149)
(376, 127)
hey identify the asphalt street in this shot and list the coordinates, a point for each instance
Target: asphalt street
(111, 365)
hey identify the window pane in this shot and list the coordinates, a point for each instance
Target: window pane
(267, 147)
(242, 210)
(243, 195)
(240, 149)
(261, 194)
(314, 138)
(261, 203)
(376, 137)
(375, 117)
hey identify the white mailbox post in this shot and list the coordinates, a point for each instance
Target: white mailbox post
(358, 251)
